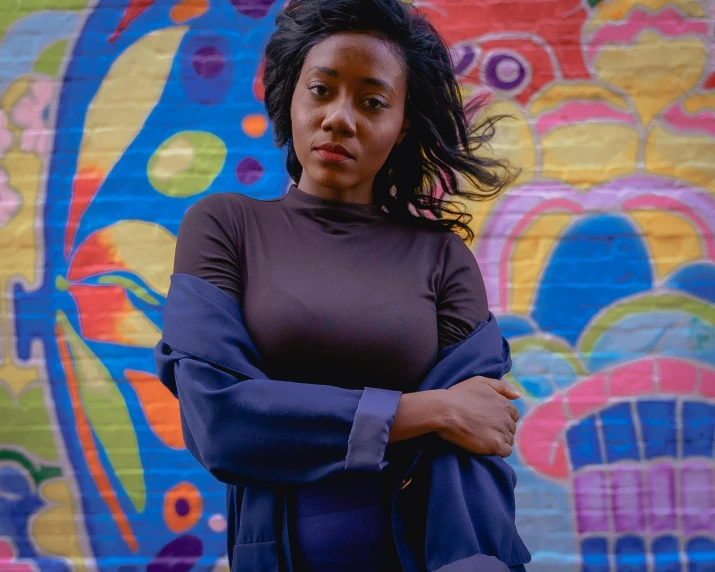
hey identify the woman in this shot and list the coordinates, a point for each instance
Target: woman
(340, 283)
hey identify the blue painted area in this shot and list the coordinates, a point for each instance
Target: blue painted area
(666, 554)
(595, 555)
(25, 40)
(701, 555)
(569, 294)
(696, 279)
(513, 326)
(675, 333)
(658, 428)
(698, 429)
(630, 555)
(583, 444)
(619, 434)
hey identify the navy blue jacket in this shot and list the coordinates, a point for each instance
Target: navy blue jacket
(259, 436)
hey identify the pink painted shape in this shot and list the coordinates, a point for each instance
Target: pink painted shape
(707, 382)
(699, 122)
(575, 112)
(676, 376)
(591, 499)
(661, 497)
(667, 204)
(587, 396)
(540, 439)
(633, 379)
(553, 205)
(670, 23)
(696, 498)
(627, 497)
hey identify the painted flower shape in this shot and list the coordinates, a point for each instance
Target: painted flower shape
(10, 200)
(5, 135)
(31, 113)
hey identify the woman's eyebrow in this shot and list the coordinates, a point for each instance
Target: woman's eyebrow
(368, 80)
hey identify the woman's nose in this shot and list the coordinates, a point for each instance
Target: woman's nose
(340, 117)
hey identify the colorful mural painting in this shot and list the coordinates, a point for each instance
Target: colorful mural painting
(115, 116)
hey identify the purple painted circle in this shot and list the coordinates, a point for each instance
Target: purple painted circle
(208, 62)
(182, 507)
(249, 171)
(504, 71)
(253, 8)
(179, 555)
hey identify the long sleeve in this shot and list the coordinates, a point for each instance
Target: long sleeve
(462, 300)
(241, 426)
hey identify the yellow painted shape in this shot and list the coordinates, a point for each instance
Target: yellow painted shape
(560, 93)
(531, 253)
(587, 154)
(53, 528)
(698, 102)
(612, 10)
(175, 158)
(654, 71)
(144, 248)
(128, 94)
(672, 240)
(687, 157)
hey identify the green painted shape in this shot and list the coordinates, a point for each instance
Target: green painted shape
(648, 303)
(549, 345)
(38, 474)
(108, 415)
(25, 422)
(209, 156)
(11, 11)
(62, 284)
(129, 284)
(50, 60)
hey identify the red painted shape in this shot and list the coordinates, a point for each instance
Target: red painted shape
(101, 311)
(258, 88)
(135, 8)
(710, 82)
(86, 184)
(94, 256)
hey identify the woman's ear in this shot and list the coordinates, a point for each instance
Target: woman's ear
(403, 131)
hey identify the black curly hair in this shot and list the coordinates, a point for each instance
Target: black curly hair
(441, 144)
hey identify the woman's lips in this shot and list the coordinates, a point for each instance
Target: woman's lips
(331, 156)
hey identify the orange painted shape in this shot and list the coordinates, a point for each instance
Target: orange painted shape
(187, 10)
(160, 407)
(89, 446)
(636, 378)
(587, 396)
(96, 255)
(676, 376)
(85, 186)
(182, 507)
(135, 8)
(707, 383)
(101, 311)
(254, 125)
(540, 440)
(259, 89)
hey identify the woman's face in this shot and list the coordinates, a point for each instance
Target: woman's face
(351, 92)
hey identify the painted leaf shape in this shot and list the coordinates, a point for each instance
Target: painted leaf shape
(108, 415)
(130, 91)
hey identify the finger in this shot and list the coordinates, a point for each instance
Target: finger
(504, 388)
(509, 437)
(512, 427)
(514, 412)
(505, 451)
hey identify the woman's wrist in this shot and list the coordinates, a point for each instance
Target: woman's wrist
(419, 413)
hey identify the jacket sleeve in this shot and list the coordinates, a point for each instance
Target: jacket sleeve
(255, 430)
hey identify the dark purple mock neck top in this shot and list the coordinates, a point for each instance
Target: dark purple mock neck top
(334, 292)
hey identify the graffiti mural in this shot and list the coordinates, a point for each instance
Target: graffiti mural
(599, 263)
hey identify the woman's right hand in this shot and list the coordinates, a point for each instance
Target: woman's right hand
(479, 416)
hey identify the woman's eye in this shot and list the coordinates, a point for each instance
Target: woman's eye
(318, 87)
(375, 103)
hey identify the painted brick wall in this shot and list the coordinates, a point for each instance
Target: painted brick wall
(115, 116)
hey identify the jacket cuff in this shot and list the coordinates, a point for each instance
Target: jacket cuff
(374, 417)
